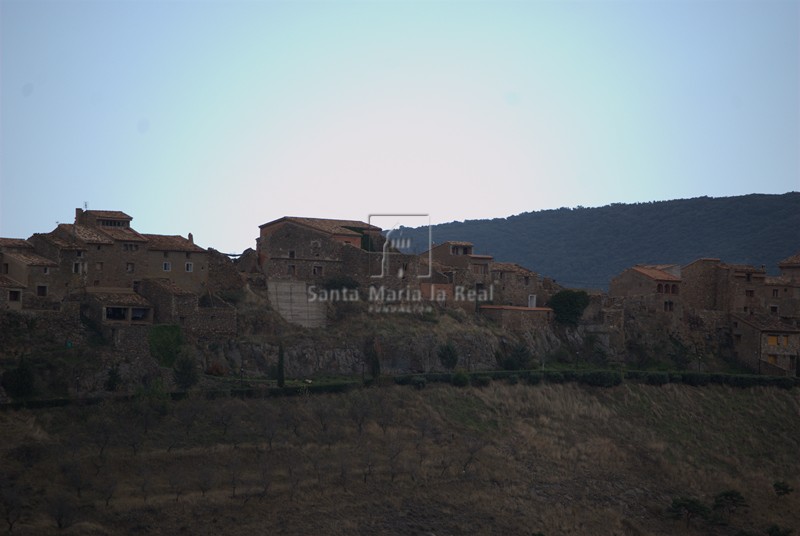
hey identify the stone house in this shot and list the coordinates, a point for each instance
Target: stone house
(713, 285)
(653, 288)
(313, 250)
(518, 286)
(782, 294)
(766, 345)
(178, 260)
(27, 277)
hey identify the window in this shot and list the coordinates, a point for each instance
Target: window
(660, 288)
(772, 340)
(130, 247)
(786, 340)
(166, 254)
(78, 267)
(5, 268)
(291, 254)
(14, 295)
(99, 247)
(41, 290)
(316, 270)
(773, 309)
(290, 270)
(749, 277)
(98, 267)
(189, 267)
(116, 313)
(668, 306)
(749, 293)
(79, 254)
(737, 338)
(138, 313)
(674, 289)
(46, 270)
(129, 267)
(167, 266)
(774, 293)
(527, 280)
(188, 255)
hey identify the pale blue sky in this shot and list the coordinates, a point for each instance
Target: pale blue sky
(214, 117)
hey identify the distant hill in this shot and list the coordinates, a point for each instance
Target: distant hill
(586, 247)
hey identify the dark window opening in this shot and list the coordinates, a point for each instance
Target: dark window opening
(41, 290)
(116, 313)
(129, 267)
(660, 288)
(773, 309)
(166, 254)
(316, 270)
(14, 295)
(290, 270)
(5, 267)
(46, 270)
(749, 293)
(774, 293)
(291, 254)
(138, 314)
(674, 289)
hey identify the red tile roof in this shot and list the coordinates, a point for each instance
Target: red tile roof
(7, 282)
(456, 243)
(516, 308)
(31, 259)
(108, 214)
(510, 267)
(87, 234)
(337, 227)
(124, 234)
(766, 323)
(170, 243)
(123, 297)
(655, 273)
(794, 260)
(18, 243)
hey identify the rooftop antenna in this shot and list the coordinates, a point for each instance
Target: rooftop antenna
(85, 205)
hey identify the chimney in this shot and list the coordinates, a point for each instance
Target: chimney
(191, 238)
(78, 214)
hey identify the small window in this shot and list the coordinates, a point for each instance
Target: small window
(316, 270)
(166, 254)
(41, 290)
(772, 340)
(291, 254)
(79, 254)
(749, 277)
(786, 340)
(189, 267)
(774, 293)
(116, 313)
(167, 266)
(290, 270)
(5, 267)
(674, 289)
(46, 270)
(773, 309)
(660, 288)
(99, 247)
(138, 314)
(527, 280)
(129, 267)
(188, 255)
(14, 295)
(737, 338)
(77, 268)
(749, 293)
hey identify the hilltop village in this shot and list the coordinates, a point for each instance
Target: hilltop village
(99, 277)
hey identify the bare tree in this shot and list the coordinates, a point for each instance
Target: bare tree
(107, 488)
(358, 409)
(205, 479)
(63, 509)
(11, 500)
(177, 481)
(76, 477)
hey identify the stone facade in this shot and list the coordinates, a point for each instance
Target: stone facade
(765, 345)
(520, 319)
(655, 288)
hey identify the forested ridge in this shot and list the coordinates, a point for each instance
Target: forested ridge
(586, 247)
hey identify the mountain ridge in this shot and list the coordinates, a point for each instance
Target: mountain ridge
(585, 247)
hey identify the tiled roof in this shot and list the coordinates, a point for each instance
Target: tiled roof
(338, 227)
(112, 296)
(17, 243)
(456, 243)
(779, 281)
(7, 282)
(170, 243)
(169, 287)
(31, 259)
(87, 234)
(766, 323)
(60, 243)
(744, 268)
(794, 260)
(124, 234)
(480, 257)
(516, 308)
(109, 214)
(510, 267)
(655, 273)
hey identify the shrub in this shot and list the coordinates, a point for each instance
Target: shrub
(517, 359)
(113, 379)
(568, 306)
(695, 378)
(460, 379)
(480, 380)
(657, 378)
(185, 372)
(418, 382)
(687, 508)
(782, 488)
(553, 377)
(165, 344)
(19, 381)
(215, 368)
(448, 356)
(729, 501)
(601, 378)
(534, 378)
(513, 379)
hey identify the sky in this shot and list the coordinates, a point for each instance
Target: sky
(214, 117)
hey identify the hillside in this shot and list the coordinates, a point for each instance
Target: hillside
(586, 247)
(503, 459)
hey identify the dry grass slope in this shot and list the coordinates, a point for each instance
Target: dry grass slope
(555, 459)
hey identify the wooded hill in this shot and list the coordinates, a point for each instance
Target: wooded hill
(586, 247)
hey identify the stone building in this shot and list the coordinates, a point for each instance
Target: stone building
(27, 279)
(518, 286)
(713, 285)
(654, 288)
(766, 345)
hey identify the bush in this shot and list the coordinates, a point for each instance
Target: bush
(460, 379)
(553, 377)
(215, 368)
(113, 379)
(695, 378)
(418, 382)
(480, 380)
(185, 372)
(513, 379)
(601, 378)
(517, 359)
(19, 382)
(448, 356)
(534, 378)
(657, 378)
(782, 488)
(165, 344)
(568, 306)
